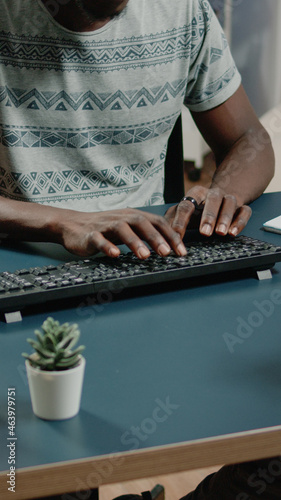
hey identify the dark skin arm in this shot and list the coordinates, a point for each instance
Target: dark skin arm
(245, 165)
(86, 233)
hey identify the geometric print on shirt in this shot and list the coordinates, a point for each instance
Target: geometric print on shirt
(34, 99)
(212, 89)
(27, 51)
(86, 137)
(42, 53)
(68, 184)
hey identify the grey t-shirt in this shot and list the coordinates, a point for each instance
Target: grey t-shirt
(85, 117)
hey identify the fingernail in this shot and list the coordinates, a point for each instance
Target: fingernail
(221, 229)
(181, 249)
(143, 252)
(164, 249)
(114, 252)
(206, 229)
(233, 231)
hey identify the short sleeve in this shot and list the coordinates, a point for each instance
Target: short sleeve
(213, 76)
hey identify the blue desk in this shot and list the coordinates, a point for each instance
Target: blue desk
(163, 390)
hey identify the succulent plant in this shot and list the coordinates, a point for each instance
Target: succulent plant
(54, 346)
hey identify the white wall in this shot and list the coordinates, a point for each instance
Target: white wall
(272, 122)
(256, 47)
(254, 32)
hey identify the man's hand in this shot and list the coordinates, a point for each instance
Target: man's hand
(85, 234)
(220, 212)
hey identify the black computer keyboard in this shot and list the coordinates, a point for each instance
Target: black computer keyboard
(85, 277)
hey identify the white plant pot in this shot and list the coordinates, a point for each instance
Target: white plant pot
(56, 395)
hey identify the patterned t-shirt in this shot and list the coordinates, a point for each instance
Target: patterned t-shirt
(85, 117)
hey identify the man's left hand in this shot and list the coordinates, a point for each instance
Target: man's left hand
(218, 212)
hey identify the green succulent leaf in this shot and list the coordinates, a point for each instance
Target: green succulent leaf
(42, 352)
(50, 341)
(25, 355)
(46, 364)
(69, 341)
(39, 337)
(76, 352)
(66, 364)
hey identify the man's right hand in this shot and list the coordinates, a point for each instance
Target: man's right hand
(85, 234)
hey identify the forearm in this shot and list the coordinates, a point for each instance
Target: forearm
(247, 168)
(86, 233)
(29, 221)
(241, 176)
